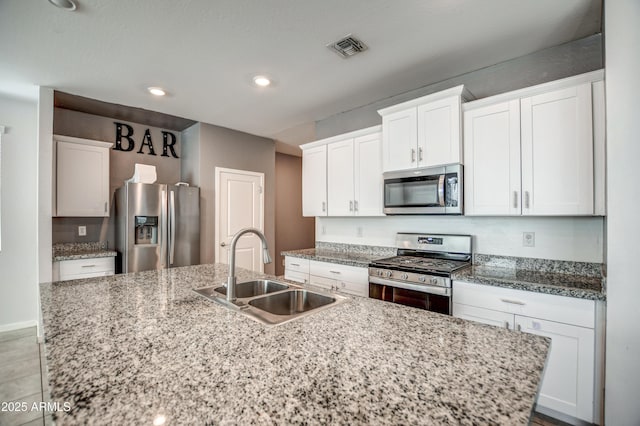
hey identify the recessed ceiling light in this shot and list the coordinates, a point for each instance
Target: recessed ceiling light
(157, 91)
(261, 81)
(64, 4)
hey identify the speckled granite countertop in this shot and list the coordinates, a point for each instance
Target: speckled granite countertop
(128, 348)
(572, 279)
(323, 255)
(73, 251)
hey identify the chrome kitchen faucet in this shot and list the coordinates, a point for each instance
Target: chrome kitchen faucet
(231, 281)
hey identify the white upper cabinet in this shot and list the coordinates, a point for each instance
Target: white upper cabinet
(537, 151)
(352, 180)
(314, 181)
(492, 159)
(423, 132)
(82, 177)
(557, 152)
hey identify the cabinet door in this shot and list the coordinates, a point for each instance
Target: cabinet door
(568, 382)
(314, 181)
(557, 152)
(368, 175)
(492, 160)
(399, 140)
(439, 132)
(340, 175)
(483, 315)
(82, 180)
(322, 282)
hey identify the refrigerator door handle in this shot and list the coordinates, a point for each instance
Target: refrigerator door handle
(163, 227)
(172, 226)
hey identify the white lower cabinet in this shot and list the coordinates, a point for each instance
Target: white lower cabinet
(65, 270)
(345, 278)
(296, 269)
(568, 385)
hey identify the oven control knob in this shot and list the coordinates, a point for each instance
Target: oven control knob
(404, 276)
(387, 274)
(422, 278)
(433, 281)
(380, 273)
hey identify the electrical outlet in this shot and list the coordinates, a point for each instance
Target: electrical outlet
(528, 239)
(82, 231)
(359, 231)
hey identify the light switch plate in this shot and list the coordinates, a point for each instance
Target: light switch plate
(82, 231)
(528, 239)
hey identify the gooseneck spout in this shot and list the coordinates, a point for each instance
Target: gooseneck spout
(231, 281)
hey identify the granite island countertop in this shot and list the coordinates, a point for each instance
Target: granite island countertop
(128, 348)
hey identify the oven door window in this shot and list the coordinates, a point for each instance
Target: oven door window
(413, 192)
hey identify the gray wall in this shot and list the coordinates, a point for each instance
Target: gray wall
(80, 125)
(546, 65)
(207, 147)
(292, 230)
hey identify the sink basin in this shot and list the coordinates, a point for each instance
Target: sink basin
(254, 288)
(291, 302)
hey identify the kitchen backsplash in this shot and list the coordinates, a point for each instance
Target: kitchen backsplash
(576, 239)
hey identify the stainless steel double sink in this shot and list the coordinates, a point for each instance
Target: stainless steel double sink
(272, 302)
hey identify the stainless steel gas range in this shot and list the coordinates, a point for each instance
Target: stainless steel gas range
(420, 274)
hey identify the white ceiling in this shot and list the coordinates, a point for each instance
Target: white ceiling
(205, 52)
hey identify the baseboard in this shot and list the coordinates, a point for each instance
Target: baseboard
(18, 325)
(561, 416)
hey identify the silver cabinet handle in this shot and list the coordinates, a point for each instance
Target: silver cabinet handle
(355, 205)
(513, 302)
(295, 264)
(351, 206)
(515, 199)
(519, 327)
(223, 244)
(172, 226)
(89, 266)
(105, 206)
(413, 155)
(324, 206)
(335, 272)
(526, 199)
(420, 154)
(506, 325)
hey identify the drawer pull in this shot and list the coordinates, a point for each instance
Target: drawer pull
(89, 266)
(295, 264)
(506, 325)
(335, 272)
(513, 302)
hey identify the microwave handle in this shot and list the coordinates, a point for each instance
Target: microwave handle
(441, 190)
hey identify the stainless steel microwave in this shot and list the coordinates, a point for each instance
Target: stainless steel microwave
(428, 190)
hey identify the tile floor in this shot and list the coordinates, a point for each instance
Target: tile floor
(21, 363)
(22, 380)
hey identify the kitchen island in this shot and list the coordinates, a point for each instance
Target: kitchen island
(144, 349)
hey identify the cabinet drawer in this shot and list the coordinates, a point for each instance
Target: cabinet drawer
(86, 266)
(357, 289)
(562, 309)
(296, 264)
(339, 272)
(296, 276)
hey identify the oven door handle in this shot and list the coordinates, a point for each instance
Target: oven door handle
(442, 291)
(441, 190)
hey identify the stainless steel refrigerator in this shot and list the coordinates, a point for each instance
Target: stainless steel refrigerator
(157, 226)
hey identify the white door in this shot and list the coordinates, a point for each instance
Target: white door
(557, 152)
(239, 204)
(314, 181)
(400, 140)
(439, 132)
(340, 178)
(368, 175)
(492, 160)
(568, 380)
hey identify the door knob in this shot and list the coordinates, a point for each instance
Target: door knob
(223, 244)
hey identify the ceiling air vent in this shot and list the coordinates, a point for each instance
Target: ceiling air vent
(347, 46)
